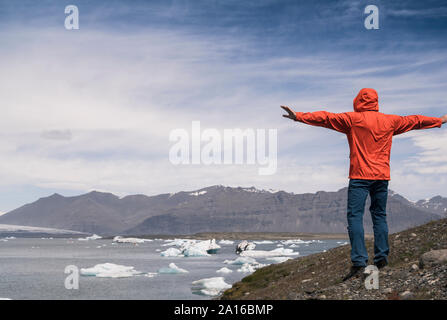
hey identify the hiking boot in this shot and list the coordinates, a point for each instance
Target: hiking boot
(381, 264)
(355, 270)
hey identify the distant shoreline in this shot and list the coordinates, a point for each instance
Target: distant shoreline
(254, 236)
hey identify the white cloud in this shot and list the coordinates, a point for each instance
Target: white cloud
(106, 102)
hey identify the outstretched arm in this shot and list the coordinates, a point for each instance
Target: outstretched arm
(337, 121)
(407, 123)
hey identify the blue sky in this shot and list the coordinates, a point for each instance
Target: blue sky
(92, 108)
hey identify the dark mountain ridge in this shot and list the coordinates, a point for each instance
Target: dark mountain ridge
(214, 209)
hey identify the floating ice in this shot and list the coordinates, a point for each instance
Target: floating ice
(226, 242)
(172, 269)
(246, 267)
(171, 252)
(245, 245)
(192, 248)
(175, 242)
(150, 274)
(224, 270)
(278, 259)
(109, 270)
(7, 238)
(120, 239)
(92, 237)
(5, 299)
(209, 286)
(241, 261)
(273, 253)
(296, 241)
(193, 251)
(264, 242)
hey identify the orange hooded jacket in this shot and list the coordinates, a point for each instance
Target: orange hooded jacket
(369, 133)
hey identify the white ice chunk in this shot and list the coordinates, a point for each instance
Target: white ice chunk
(150, 274)
(120, 239)
(210, 286)
(246, 267)
(264, 242)
(93, 237)
(172, 269)
(176, 242)
(295, 241)
(109, 270)
(193, 251)
(273, 253)
(194, 248)
(171, 252)
(226, 242)
(278, 259)
(241, 261)
(224, 270)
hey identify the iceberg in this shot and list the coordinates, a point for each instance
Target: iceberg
(273, 253)
(224, 270)
(120, 239)
(246, 267)
(150, 274)
(172, 269)
(245, 245)
(191, 248)
(241, 261)
(209, 286)
(278, 259)
(193, 251)
(264, 242)
(223, 242)
(295, 241)
(171, 252)
(92, 237)
(109, 270)
(176, 242)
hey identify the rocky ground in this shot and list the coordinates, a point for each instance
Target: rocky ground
(417, 270)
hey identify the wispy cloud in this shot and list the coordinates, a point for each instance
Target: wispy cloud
(93, 109)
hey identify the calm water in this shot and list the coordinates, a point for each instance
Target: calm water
(34, 268)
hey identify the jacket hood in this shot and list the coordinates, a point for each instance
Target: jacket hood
(366, 100)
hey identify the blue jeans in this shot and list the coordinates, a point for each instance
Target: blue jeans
(357, 193)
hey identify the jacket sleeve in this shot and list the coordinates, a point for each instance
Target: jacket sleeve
(340, 122)
(407, 123)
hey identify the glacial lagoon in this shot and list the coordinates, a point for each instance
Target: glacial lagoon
(33, 268)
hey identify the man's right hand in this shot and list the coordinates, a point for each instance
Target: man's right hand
(444, 118)
(290, 114)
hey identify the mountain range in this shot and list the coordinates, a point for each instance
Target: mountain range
(214, 209)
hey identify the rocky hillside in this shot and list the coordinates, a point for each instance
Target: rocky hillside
(212, 209)
(417, 270)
